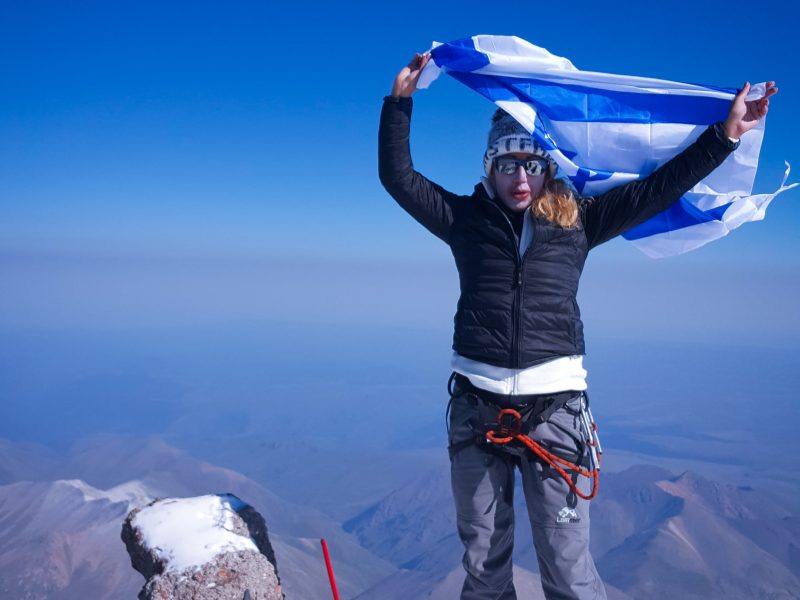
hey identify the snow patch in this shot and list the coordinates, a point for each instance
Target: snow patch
(674, 529)
(189, 532)
(134, 493)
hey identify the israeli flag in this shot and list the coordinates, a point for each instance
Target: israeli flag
(604, 130)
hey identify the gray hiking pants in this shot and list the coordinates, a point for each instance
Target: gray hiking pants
(483, 488)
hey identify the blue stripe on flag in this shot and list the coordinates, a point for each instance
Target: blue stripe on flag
(487, 85)
(581, 103)
(678, 216)
(460, 55)
(561, 102)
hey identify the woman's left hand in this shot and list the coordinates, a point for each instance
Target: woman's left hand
(743, 115)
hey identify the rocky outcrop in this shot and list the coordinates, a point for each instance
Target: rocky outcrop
(203, 548)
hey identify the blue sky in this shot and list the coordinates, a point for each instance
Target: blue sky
(152, 151)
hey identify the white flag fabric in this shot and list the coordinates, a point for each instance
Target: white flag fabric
(604, 130)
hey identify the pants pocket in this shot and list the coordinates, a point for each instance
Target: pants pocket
(562, 433)
(463, 411)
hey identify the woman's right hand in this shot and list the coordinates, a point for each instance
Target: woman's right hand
(405, 83)
(744, 115)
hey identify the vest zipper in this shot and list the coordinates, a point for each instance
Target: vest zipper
(516, 285)
(517, 317)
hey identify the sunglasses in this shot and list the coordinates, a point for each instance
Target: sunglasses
(507, 165)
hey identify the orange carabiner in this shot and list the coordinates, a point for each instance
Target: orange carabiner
(508, 432)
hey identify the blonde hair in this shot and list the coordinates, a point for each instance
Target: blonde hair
(556, 203)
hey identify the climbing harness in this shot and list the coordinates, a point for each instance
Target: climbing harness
(498, 425)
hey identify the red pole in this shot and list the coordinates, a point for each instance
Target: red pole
(330, 568)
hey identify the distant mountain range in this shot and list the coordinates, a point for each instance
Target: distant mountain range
(654, 535)
(42, 524)
(61, 540)
(698, 539)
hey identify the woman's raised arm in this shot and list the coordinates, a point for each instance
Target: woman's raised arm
(427, 202)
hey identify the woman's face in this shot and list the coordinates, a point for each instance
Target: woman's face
(519, 189)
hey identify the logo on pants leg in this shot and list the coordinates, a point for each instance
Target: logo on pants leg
(567, 515)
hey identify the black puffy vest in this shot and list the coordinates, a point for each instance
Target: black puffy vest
(515, 311)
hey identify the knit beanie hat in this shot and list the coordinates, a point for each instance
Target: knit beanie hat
(507, 136)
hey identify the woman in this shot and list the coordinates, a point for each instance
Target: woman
(520, 241)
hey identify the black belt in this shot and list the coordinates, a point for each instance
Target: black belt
(507, 400)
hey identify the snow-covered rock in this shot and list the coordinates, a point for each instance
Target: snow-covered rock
(207, 547)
